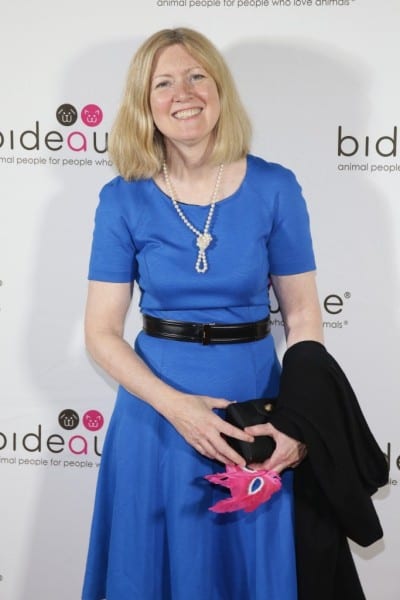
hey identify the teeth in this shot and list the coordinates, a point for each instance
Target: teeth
(189, 112)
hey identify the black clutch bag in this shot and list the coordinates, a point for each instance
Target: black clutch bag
(245, 414)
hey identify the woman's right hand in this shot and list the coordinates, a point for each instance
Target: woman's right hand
(194, 418)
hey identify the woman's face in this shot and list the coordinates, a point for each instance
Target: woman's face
(184, 99)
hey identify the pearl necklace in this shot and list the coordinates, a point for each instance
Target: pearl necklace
(204, 238)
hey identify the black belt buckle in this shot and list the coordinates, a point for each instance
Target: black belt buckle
(206, 334)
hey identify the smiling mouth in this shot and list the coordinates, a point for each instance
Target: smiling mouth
(187, 113)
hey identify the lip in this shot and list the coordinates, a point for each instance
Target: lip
(187, 113)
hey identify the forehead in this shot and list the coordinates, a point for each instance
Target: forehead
(173, 57)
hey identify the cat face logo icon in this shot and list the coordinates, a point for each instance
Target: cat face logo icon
(93, 420)
(66, 114)
(68, 419)
(91, 115)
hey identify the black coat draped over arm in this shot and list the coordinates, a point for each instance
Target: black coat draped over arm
(334, 484)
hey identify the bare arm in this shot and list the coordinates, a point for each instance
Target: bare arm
(191, 415)
(106, 309)
(298, 300)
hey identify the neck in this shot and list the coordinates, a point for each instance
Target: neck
(188, 163)
(172, 191)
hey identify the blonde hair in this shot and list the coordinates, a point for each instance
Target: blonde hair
(136, 146)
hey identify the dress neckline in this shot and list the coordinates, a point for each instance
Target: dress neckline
(231, 196)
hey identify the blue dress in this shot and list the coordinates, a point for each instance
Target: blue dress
(153, 537)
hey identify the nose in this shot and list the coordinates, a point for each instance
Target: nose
(183, 89)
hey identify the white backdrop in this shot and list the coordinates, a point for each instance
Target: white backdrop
(320, 81)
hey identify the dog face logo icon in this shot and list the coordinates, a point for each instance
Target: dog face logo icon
(67, 114)
(68, 419)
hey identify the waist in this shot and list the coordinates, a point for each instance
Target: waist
(207, 333)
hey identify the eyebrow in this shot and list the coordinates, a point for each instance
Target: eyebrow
(186, 71)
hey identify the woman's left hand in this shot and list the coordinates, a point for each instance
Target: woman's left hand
(288, 452)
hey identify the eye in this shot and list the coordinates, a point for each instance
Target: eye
(197, 76)
(163, 83)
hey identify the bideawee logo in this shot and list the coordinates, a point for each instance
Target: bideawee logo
(73, 131)
(72, 437)
(372, 153)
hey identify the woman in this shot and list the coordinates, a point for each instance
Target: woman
(202, 227)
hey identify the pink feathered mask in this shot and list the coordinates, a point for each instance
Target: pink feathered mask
(249, 488)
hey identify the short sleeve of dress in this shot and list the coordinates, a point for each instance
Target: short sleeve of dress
(290, 245)
(113, 252)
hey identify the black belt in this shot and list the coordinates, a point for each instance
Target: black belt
(207, 333)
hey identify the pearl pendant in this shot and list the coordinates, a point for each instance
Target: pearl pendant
(203, 241)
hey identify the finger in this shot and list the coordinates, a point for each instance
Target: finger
(272, 463)
(224, 454)
(212, 451)
(262, 429)
(258, 467)
(225, 460)
(218, 403)
(262, 466)
(277, 467)
(222, 451)
(235, 432)
(279, 461)
(204, 450)
(228, 454)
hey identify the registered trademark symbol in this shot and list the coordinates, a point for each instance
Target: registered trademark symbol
(345, 323)
(1, 577)
(1, 283)
(347, 295)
